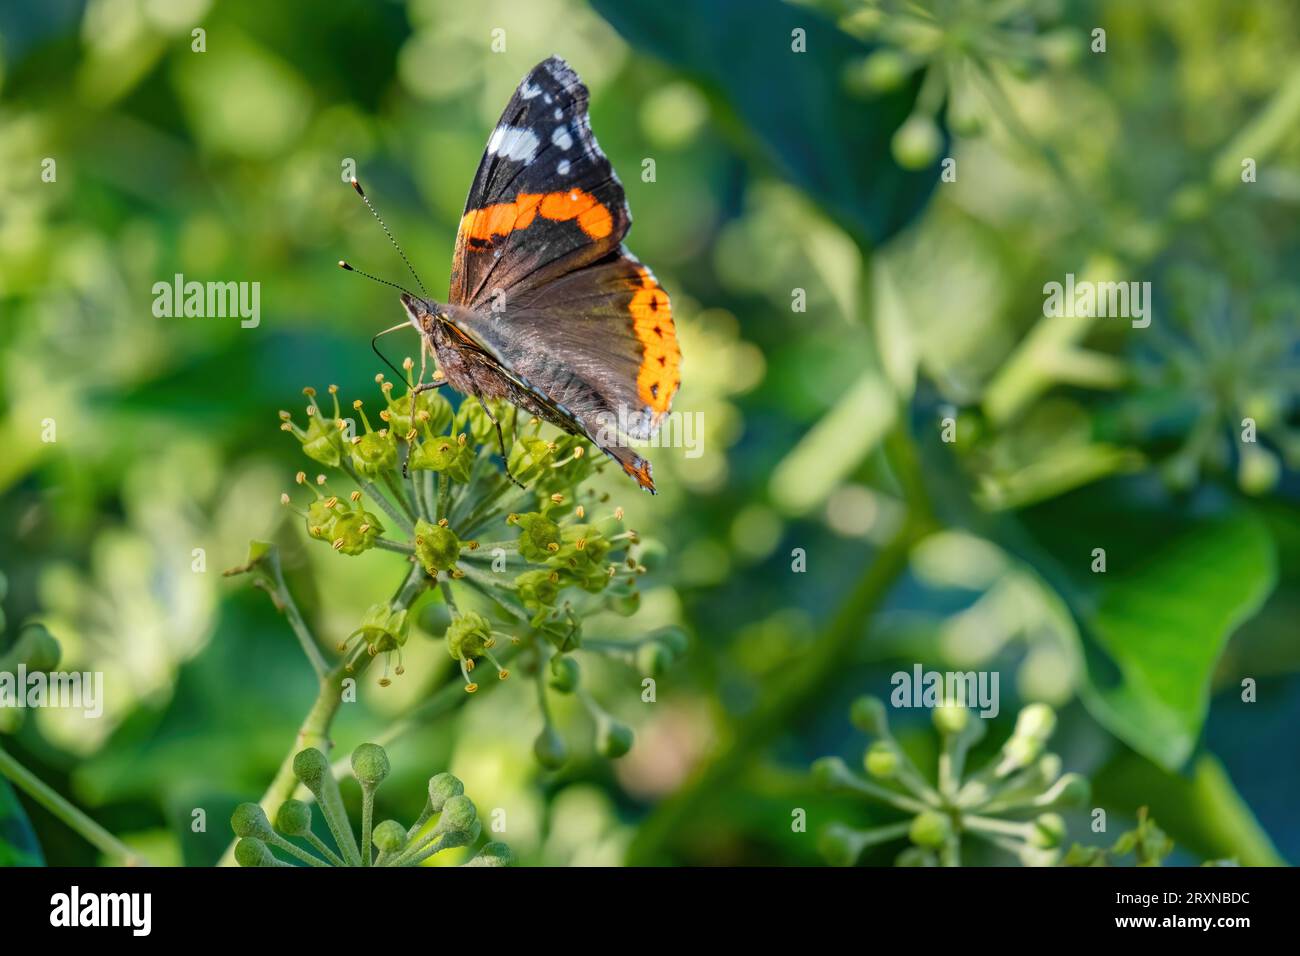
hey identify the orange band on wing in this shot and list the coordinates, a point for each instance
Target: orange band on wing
(652, 321)
(501, 219)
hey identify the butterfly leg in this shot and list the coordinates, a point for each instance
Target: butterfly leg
(426, 386)
(501, 442)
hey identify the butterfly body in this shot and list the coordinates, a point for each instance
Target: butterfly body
(547, 308)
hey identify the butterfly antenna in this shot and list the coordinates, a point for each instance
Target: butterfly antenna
(348, 267)
(388, 232)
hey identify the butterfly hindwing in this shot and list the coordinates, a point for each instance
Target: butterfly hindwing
(545, 199)
(599, 341)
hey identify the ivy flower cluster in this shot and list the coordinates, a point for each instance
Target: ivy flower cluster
(1215, 388)
(519, 556)
(990, 804)
(385, 844)
(953, 47)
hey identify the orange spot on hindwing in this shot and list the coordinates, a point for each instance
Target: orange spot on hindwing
(652, 321)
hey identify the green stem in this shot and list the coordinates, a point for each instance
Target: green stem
(54, 802)
(314, 732)
(379, 498)
(285, 602)
(783, 698)
(367, 818)
(399, 495)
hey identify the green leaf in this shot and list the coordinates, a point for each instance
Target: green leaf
(1203, 811)
(831, 143)
(18, 844)
(1180, 578)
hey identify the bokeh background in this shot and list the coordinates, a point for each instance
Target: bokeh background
(836, 298)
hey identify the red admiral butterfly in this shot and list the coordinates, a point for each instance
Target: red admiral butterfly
(547, 308)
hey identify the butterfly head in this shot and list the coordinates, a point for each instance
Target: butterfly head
(422, 313)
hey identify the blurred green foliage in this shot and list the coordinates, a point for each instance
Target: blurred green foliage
(778, 171)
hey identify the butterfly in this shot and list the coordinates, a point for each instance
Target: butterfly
(547, 308)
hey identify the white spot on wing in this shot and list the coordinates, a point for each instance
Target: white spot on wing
(514, 143)
(562, 167)
(561, 138)
(528, 91)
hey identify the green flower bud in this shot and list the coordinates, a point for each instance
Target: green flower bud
(868, 715)
(321, 514)
(831, 773)
(531, 455)
(1048, 768)
(253, 852)
(390, 836)
(930, 829)
(613, 738)
(432, 415)
(442, 787)
(458, 815)
(538, 588)
(1036, 722)
(468, 635)
(452, 457)
(549, 748)
(249, 820)
(950, 719)
(565, 673)
(436, 547)
(1072, 790)
(374, 453)
(840, 845)
(653, 658)
(884, 70)
(881, 760)
(581, 554)
(293, 818)
(323, 440)
(1258, 470)
(493, 854)
(917, 142)
(1048, 832)
(370, 765)
(354, 532)
(310, 767)
(539, 537)
(383, 628)
(1021, 751)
